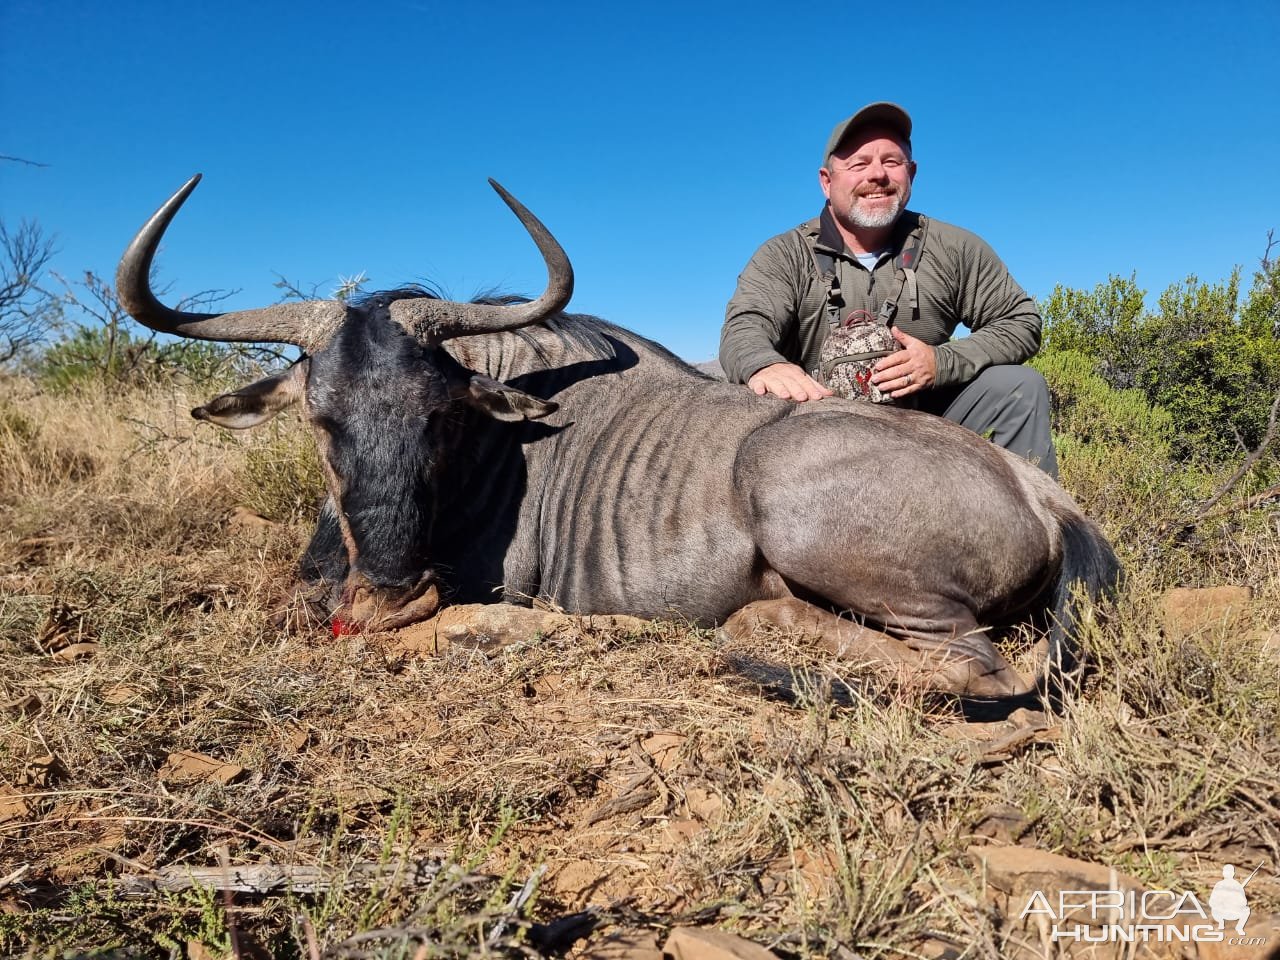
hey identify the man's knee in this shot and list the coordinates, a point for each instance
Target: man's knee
(1022, 386)
(1000, 393)
(1010, 404)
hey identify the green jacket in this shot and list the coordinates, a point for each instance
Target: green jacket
(778, 312)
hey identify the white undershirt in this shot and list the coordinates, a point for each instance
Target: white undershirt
(869, 260)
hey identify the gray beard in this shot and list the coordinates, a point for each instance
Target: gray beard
(874, 221)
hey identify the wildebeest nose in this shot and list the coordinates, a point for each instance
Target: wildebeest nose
(388, 608)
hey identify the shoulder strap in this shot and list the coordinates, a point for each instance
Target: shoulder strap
(824, 265)
(905, 271)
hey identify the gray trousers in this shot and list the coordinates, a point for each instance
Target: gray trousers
(1007, 403)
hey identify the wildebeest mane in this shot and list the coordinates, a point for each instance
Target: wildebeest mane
(593, 336)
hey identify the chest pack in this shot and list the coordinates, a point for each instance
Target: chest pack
(854, 344)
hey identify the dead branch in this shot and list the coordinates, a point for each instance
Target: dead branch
(276, 878)
(16, 876)
(515, 905)
(1266, 265)
(1254, 456)
(25, 308)
(1248, 503)
(292, 291)
(29, 163)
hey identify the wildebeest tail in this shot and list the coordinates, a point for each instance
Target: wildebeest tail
(1090, 573)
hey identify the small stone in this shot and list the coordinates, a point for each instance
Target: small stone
(703, 804)
(297, 739)
(664, 748)
(679, 831)
(705, 943)
(13, 805)
(1014, 870)
(76, 651)
(623, 945)
(1191, 612)
(248, 521)
(119, 694)
(187, 766)
(487, 627)
(1003, 823)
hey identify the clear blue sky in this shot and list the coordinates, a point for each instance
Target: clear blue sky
(661, 143)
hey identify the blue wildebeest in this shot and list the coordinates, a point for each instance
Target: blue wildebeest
(474, 450)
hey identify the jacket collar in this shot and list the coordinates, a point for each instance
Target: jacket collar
(826, 236)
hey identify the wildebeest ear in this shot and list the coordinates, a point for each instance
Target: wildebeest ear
(503, 402)
(258, 402)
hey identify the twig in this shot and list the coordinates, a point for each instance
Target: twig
(629, 799)
(1254, 456)
(29, 163)
(14, 877)
(269, 878)
(514, 905)
(228, 902)
(309, 931)
(1248, 503)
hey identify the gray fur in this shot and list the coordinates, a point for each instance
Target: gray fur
(667, 493)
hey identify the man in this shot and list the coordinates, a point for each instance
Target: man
(786, 301)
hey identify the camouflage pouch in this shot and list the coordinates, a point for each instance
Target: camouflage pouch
(853, 347)
(849, 357)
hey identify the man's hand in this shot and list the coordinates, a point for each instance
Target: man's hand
(905, 371)
(788, 381)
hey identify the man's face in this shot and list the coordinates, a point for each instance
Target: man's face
(868, 179)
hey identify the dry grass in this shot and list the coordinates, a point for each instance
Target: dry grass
(659, 777)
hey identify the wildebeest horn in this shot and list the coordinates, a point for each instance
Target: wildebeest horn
(442, 319)
(308, 324)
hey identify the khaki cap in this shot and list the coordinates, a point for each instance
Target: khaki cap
(881, 113)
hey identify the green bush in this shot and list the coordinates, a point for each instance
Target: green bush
(1090, 411)
(93, 355)
(1101, 324)
(1211, 362)
(1115, 449)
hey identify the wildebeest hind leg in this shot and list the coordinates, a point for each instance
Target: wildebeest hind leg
(928, 665)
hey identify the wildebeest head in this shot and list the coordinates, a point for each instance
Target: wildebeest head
(377, 389)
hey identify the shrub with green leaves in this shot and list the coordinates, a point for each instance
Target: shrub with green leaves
(1210, 361)
(1115, 449)
(92, 355)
